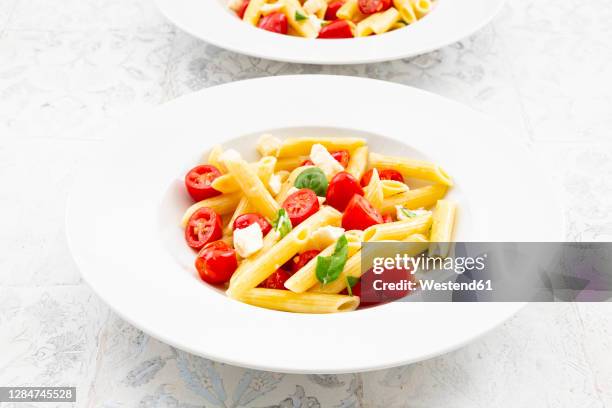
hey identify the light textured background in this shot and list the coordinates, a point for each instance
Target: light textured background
(68, 68)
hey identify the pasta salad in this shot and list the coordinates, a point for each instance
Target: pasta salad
(330, 18)
(285, 232)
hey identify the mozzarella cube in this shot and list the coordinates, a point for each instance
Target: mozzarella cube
(248, 240)
(326, 236)
(324, 160)
(275, 184)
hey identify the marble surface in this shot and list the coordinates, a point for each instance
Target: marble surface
(70, 68)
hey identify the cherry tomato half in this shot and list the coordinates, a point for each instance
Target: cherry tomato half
(360, 214)
(243, 7)
(373, 6)
(342, 157)
(332, 10)
(387, 218)
(198, 182)
(216, 262)
(307, 162)
(275, 22)
(342, 187)
(337, 29)
(245, 220)
(388, 174)
(276, 280)
(301, 205)
(302, 259)
(203, 226)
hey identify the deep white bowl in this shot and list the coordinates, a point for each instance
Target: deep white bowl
(124, 212)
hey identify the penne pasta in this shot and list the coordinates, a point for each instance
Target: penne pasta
(398, 230)
(442, 228)
(423, 197)
(252, 187)
(406, 10)
(421, 7)
(374, 191)
(411, 168)
(278, 256)
(377, 23)
(358, 163)
(292, 146)
(287, 301)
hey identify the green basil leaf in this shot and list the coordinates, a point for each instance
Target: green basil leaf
(299, 16)
(314, 179)
(282, 223)
(330, 267)
(408, 213)
(350, 282)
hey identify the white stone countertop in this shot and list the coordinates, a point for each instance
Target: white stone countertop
(68, 68)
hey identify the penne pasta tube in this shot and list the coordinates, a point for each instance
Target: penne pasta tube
(287, 301)
(301, 146)
(350, 11)
(421, 7)
(393, 187)
(253, 273)
(359, 162)
(252, 187)
(442, 228)
(398, 230)
(253, 12)
(423, 197)
(306, 277)
(223, 204)
(213, 158)
(377, 23)
(268, 242)
(264, 169)
(304, 27)
(406, 10)
(290, 163)
(411, 168)
(374, 191)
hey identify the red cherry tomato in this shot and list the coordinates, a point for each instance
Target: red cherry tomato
(332, 9)
(337, 29)
(388, 174)
(245, 220)
(387, 218)
(204, 226)
(360, 214)
(307, 162)
(301, 205)
(302, 259)
(342, 187)
(275, 22)
(216, 262)
(243, 8)
(198, 182)
(276, 280)
(373, 6)
(342, 157)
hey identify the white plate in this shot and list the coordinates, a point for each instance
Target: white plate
(123, 216)
(213, 22)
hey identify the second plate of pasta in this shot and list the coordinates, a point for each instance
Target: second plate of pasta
(330, 31)
(239, 240)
